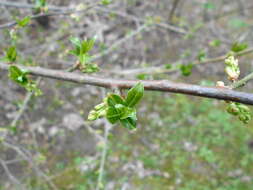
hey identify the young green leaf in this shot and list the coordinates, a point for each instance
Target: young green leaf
(18, 75)
(75, 41)
(168, 66)
(209, 5)
(215, 43)
(40, 3)
(10, 54)
(237, 23)
(112, 115)
(106, 2)
(114, 99)
(186, 70)
(87, 45)
(134, 95)
(201, 55)
(129, 123)
(23, 22)
(128, 112)
(237, 47)
(119, 112)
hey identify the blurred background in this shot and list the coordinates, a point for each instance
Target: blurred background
(181, 142)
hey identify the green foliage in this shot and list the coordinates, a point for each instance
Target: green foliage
(168, 66)
(238, 47)
(215, 43)
(237, 23)
(115, 108)
(142, 76)
(134, 95)
(81, 47)
(10, 54)
(20, 76)
(23, 22)
(201, 55)
(81, 51)
(106, 2)
(209, 5)
(40, 4)
(186, 70)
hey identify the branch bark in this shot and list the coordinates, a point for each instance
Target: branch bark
(154, 85)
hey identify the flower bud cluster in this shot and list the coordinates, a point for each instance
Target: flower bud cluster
(98, 111)
(240, 110)
(232, 69)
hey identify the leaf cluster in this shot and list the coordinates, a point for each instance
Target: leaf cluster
(23, 22)
(40, 5)
(20, 76)
(81, 51)
(10, 54)
(116, 108)
(238, 47)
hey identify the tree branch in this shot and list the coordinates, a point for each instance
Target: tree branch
(162, 69)
(57, 13)
(154, 85)
(29, 6)
(67, 10)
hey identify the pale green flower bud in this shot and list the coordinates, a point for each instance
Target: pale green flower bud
(233, 73)
(233, 109)
(99, 106)
(93, 115)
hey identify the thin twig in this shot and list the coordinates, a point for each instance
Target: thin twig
(30, 161)
(103, 157)
(12, 178)
(141, 20)
(173, 9)
(243, 81)
(161, 69)
(58, 13)
(154, 85)
(24, 105)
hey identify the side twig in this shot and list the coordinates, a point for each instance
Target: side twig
(243, 81)
(24, 105)
(103, 157)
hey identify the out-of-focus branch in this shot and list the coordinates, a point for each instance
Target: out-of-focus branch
(24, 105)
(103, 156)
(141, 20)
(12, 178)
(57, 13)
(162, 69)
(67, 10)
(154, 85)
(30, 6)
(30, 161)
(173, 9)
